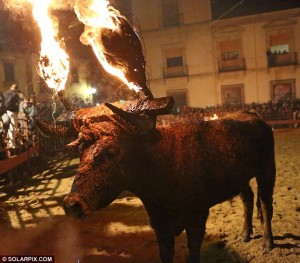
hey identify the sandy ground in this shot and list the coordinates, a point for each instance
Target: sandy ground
(32, 221)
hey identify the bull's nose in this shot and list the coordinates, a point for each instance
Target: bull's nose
(74, 207)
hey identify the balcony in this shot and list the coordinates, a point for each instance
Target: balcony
(284, 59)
(175, 72)
(231, 65)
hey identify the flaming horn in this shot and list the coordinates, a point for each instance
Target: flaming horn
(119, 50)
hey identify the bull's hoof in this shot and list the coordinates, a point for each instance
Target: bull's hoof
(268, 244)
(245, 239)
(245, 235)
(190, 258)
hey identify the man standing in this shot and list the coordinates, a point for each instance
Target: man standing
(12, 98)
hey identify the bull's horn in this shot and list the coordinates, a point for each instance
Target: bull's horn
(142, 123)
(59, 130)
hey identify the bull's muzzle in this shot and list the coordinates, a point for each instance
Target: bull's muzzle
(75, 207)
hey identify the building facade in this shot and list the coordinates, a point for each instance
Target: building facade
(203, 61)
(22, 69)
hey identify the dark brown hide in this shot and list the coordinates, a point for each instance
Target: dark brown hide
(179, 171)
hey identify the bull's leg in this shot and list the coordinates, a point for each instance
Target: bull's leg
(247, 197)
(166, 242)
(195, 232)
(265, 197)
(266, 201)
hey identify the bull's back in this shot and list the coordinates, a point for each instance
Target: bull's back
(212, 161)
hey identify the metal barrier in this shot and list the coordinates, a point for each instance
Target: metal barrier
(52, 144)
(26, 147)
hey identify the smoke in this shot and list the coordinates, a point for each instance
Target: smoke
(21, 10)
(19, 5)
(51, 236)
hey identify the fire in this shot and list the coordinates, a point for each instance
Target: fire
(100, 19)
(54, 62)
(214, 117)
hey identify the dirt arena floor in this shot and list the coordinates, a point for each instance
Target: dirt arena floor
(32, 221)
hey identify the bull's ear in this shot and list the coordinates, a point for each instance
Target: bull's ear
(142, 123)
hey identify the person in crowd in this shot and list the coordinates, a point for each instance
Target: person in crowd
(31, 112)
(12, 99)
(22, 117)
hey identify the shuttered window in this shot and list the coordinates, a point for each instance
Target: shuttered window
(232, 94)
(230, 49)
(174, 57)
(229, 45)
(280, 39)
(170, 12)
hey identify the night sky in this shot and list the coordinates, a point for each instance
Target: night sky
(221, 8)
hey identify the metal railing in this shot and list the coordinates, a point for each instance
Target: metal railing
(231, 65)
(175, 72)
(284, 59)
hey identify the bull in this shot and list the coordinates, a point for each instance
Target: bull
(177, 170)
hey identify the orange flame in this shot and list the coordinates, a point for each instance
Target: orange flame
(214, 117)
(54, 62)
(98, 15)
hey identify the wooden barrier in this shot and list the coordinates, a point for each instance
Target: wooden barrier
(15, 160)
(273, 123)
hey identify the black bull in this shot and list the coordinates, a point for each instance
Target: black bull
(179, 171)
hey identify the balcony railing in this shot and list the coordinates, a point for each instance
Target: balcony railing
(232, 65)
(284, 59)
(174, 72)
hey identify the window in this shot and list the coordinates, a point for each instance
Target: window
(283, 90)
(279, 44)
(180, 98)
(280, 39)
(174, 62)
(232, 94)
(9, 72)
(170, 12)
(229, 49)
(230, 55)
(279, 53)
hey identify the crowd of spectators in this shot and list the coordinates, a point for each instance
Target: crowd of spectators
(16, 119)
(280, 109)
(269, 111)
(17, 113)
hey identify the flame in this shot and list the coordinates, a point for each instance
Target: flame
(214, 117)
(54, 62)
(98, 15)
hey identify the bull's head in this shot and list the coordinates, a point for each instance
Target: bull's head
(110, 138)
(108, 135)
